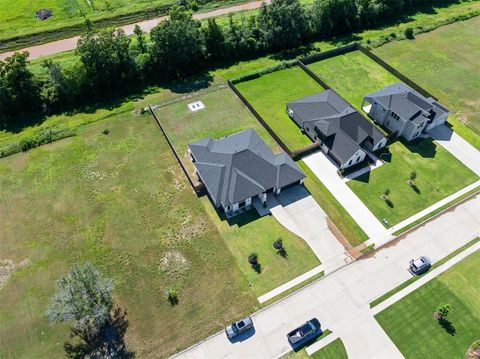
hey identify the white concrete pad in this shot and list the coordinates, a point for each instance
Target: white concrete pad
(327, 174)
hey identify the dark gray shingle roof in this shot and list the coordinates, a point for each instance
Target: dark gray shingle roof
(240, 166)
(342, 127)
(407, 103)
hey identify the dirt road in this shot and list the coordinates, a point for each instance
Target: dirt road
(54, 47)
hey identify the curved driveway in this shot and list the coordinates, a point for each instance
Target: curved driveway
(54, 47)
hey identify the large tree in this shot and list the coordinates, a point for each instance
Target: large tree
(333, 17)
(283, 24)
(85, 297)
(19, 90)
(107, 61)
(177, 46)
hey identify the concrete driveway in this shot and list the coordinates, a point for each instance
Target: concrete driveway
(298, 211)
(326, 172)
(457, 146)
(341, 300)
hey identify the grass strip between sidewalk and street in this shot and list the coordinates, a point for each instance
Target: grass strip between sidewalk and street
(437, 211)
(415, 278)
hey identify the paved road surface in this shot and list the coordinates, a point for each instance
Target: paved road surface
(341, 300)
(54, 47)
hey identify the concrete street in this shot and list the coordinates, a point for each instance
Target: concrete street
(341, 300)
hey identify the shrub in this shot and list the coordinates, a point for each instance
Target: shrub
(278, 245)
(409, 33)
(444, 309)
(106, 131)
(171, 296)
(253, 258)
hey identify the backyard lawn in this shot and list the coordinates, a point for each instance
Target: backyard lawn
(120, 201)
(353, 76)
(445, 61)
(411, 326)
(269, 95)
(439, 175)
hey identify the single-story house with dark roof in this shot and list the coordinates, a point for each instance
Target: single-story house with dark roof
(404, 111)
(239, 168)
(344, 134)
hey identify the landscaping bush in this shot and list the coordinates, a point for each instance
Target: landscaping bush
(106, 131)
(278, 245)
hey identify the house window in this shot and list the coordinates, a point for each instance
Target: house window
(349, 162)
(420, 125)
(241, 204)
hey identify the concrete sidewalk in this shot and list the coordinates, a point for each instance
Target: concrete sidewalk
(326, 172)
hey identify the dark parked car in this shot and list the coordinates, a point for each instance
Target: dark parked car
(420, 265)
(239, 327)
(306, 332)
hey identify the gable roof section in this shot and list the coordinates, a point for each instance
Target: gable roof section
(241, 166)
(342, 129)
(407, 103)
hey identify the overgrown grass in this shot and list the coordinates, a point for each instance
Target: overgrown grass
(445, 62)
(335, 211)
(417, 334)
(405, 284)
(119, 201)
(439, 174)
(269, 95)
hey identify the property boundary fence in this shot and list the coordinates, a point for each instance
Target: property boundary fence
(260, 119)
(196, 187)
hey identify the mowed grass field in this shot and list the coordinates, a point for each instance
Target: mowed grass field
(225, 114)
(18, 18)
(354, 75)
(121, 202)
(269, 95)
(439, 174)
(410, 323)
(445, 62)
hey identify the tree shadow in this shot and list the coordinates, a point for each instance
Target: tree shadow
(257, 267)
(448, 326)
(109, 343)
(415, 188)
(190, 84)
(389, 203)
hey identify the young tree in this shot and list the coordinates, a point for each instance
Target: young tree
(443, 310)
(283, 24)
(177, 46)
(140, 37)
(85, 297)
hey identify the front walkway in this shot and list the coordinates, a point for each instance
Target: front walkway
(457, 146)
(326, 171)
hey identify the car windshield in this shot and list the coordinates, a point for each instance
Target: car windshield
(234, 328)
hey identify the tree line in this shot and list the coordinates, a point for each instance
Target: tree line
(108, 62)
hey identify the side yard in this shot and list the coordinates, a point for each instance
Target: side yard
(410, 323)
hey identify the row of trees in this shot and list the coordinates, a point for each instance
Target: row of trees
(108, 62)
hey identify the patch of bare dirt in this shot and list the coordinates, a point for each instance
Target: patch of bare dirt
(173, 261)
(7, 267)
(351, 250)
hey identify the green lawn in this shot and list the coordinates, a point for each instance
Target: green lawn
(445, 62)
(223, 115)
(439, 175)
(247, 233)
(411, 326)
(269, 95)
(335, 211)
(334, 350)
(353, 76)
(120, 201)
